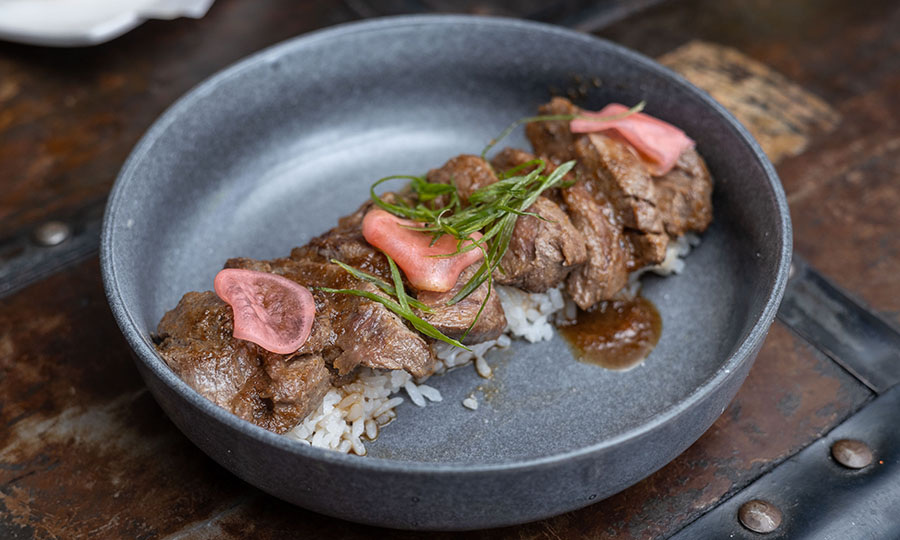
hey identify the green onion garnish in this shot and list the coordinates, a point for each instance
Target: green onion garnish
(493, 209)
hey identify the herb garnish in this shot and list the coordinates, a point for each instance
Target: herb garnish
(401, 306)
(493, 208)
(381, 284)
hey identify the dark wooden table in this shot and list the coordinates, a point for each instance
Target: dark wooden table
(85, 451)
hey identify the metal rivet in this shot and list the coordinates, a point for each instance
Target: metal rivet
(52, 233)
(760, 516)
(851, 453)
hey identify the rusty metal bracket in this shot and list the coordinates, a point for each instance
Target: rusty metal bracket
(859, 340)
(818, 498)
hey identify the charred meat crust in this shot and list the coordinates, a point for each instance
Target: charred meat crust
(685, 195)
(454, 320)
(605, 271)
(272, 391)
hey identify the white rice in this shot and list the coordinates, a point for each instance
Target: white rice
(413, 392)
(450, 357)
(363, 407)
(676, 251)
(530, 315)
(359, 410)
(674, 263)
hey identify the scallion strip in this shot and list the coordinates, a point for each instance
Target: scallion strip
(419, 324)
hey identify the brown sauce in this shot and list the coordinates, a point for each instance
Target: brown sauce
(616, 334)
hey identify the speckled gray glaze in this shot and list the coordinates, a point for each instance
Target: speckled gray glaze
(271, 151)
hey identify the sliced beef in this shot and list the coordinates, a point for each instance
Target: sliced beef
(373, 336)
(553, 140)
(611, 168)
(508, 158)
(612, 171)
(645, 248)
(347, 244)
(616, 171)
(606, 270)
(284, 392)
(468, 173)
(542, 252)
(453, 320)
(684, 195)
(351, 330)
(277, 391)
(195, 341)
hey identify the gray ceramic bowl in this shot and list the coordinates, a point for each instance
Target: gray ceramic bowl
(271, 151)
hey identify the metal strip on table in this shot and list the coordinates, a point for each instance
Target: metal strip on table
(860, 341)
(32, 255)
(816, 498)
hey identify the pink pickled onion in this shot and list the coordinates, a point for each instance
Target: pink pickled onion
(660, 142)
(413, 252)
(269, 310)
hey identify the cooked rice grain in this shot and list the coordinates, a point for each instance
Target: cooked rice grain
(357, 410)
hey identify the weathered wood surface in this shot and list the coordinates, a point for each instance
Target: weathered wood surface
(87, 453)
(69, 117)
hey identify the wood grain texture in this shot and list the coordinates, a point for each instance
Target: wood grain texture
(780, 115)
(87, 453)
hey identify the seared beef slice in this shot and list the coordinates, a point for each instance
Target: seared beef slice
(468, 173)
(684, 195)
(612, 172)
(272, 391)
(454, 320)
(542, 251)
(606, 270)
(359, 331)
(284, 392)
(508, 158)
(611, 168)
(553, 140)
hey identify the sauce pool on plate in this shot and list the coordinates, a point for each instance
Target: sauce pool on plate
(616, 334)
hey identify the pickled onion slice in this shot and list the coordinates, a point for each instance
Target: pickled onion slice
(414, 253)
(657, 141)
(270, 310)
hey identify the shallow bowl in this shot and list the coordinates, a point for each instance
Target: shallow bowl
(271, 151)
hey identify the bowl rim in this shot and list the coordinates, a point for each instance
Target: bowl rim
(148, 357)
